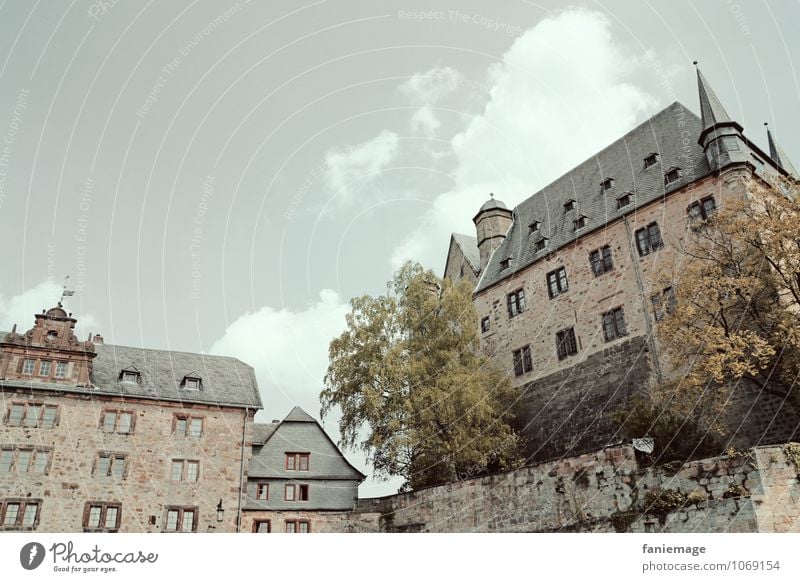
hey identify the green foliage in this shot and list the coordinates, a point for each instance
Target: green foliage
(677, 439)
(661, 502)
(414, 392)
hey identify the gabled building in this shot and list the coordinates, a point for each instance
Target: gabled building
(297, 480)
(104, 438)
(569, 295)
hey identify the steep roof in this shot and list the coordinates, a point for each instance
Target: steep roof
(711, 110)
(299, 433)
(262, 432)
(469, 247)
(226, 381)
(664, 134)
(779, 156)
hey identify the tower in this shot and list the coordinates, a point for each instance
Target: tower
(721, 137)
(491, 223)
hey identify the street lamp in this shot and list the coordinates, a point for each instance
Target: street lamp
(220, 512)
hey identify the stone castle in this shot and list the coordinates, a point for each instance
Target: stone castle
(103, 438)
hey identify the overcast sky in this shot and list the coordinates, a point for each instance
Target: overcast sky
(224, 177)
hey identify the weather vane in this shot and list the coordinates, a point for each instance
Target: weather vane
(65, 292)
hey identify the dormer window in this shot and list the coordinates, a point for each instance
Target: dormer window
(579, 222)
(672, 175)
(624, 200)
(607, 184)
(650, 160)
(534, 226)
(540, 244)
(505, 263)
(191, 383)
(569, 205)
(129, 376)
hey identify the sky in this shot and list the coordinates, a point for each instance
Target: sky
(224, 177)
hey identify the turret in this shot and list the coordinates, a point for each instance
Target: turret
(491, 223)
(721, 137)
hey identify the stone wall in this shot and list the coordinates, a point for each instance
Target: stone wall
(146, 489)
(607, 491)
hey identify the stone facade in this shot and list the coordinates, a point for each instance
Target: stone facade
(103, 438)
(757, 490)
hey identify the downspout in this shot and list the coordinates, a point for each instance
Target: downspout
(651, 340)
(241, 472)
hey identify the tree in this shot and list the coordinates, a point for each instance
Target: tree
(734, 317)
(414, 392)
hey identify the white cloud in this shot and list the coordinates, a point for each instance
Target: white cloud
(426, 90)
(20, 309)
(559, 95)
(352, 168)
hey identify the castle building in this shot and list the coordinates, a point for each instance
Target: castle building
(103, 438)
(568, 288)
(298, 481)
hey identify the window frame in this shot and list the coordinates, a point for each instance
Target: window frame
(45, 368)
(699, 210)
(613, 324)
(605, 261)
(184, 472)
(192, 383)
(257, 523)
(113, 460)
(118, 413)
(486, 324)
(579, 222)
(651, 160)
(624, 200)
(295, 458)
(557, 282)
(24, 369)
(566, 343)
(259, 485)
(515, 302)
(606, 185)
(102, 525)
(188, 420)
(672, 171)
(523, 360)
(26, 407)
(569, 205)
(22, 508)
(61, 369)
(295, 523)
(648, 239)
(36, 453)
(181, 510)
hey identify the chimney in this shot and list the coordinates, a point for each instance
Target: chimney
(491, 224)
(97, 339)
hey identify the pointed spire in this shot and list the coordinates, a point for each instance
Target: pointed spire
(778, 155)
(711, 108)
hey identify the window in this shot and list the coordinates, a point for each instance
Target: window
(302, 492)
(129, 376)
(117, 421)
(32, 415)
(181, 519)
(298, 526)
(485, 324)
(191, 383)
(505, 264)
(187, 426)
(522, 361)
(624, 200)
(19, 513)
(534, 227)
(183, 470)
(111, 465)
(516, 302)
(650, 160)
(601, 261)
(24, 460)
(579, 222)
(648, 239)
(262, 490)
(540, 244)
(614, 324)
(566, 345)
(289, 492)
(569, 206)
(606, 184)
(663, 303)
(61, 369)
(27, 367)
(672, 175)
(297, 461)
(261, 526)
(557, 282)
(102, 517)
(702, 209)
(44, 368)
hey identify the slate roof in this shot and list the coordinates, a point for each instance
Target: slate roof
(261, 432)
(225, 380)
(664, 134)
(299, 432)
(469, 247)
(779, 156)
